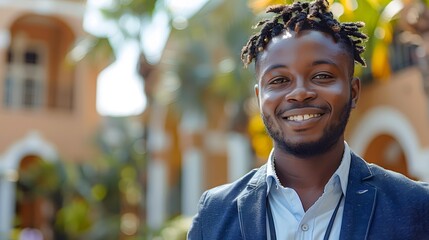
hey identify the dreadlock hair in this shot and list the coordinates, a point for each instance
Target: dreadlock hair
(301, 16)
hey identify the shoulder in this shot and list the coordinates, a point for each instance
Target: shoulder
(402, 197)
(228, 193)
(217, 211)
(392, 188)
(396, 200)
(384, 179)
(390, 180)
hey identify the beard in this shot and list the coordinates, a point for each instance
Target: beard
(331, 135)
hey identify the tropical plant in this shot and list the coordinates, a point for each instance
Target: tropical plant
(103, 198)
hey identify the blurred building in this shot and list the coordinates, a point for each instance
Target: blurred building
(48, 107)
(47, 104)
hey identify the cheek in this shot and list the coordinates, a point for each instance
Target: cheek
(338, 99)
(339, 88)
(269, 101)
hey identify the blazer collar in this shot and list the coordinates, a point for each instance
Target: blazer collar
(251, 207)
(360, 200)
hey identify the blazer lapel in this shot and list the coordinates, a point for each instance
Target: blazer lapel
(251, 208)
(360, 201)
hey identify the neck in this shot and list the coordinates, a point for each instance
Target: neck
(308, 176)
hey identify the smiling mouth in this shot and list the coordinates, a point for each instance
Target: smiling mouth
(304, 117)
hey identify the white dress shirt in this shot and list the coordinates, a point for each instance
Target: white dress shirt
(290, 219)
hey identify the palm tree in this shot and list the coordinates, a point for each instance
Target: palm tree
(214, 86)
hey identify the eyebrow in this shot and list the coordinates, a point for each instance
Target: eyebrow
(315, 63)
(324, 61)
(273, 67)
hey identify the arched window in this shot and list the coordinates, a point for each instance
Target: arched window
(37, 75)
(25, 85)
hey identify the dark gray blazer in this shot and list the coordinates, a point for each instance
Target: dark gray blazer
(379, 204)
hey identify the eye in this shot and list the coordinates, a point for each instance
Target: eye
(323, 76)
(279, 80)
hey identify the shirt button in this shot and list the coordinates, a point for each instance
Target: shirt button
(304, 227)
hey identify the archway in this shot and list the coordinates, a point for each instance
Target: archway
(37, 198)
(384, 150)
(32, 145)
(387, 121)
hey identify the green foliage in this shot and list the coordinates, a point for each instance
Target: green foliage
(380, 18)
(175, 229)
(120, 8)
(41, 178)
(92, 196)
(136, 10)
(73, 217)
(113, 181)
(124, 13)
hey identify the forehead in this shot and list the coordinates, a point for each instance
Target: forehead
(305, 47)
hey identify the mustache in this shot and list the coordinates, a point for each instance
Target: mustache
(281, 111)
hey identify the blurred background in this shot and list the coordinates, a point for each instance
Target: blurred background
(116, 115)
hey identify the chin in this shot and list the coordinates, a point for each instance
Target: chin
(308, 147)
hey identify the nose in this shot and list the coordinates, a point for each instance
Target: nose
(301, 92)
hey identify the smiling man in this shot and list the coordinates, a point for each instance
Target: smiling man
(313, 186)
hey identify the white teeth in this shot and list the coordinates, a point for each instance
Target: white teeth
(302, 117)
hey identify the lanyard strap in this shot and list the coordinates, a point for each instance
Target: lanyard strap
(328, 229)
(332, 220)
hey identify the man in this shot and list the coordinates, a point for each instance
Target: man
(313, 186)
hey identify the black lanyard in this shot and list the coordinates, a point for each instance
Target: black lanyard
(328, 229)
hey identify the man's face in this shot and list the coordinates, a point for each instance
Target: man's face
(305, 91)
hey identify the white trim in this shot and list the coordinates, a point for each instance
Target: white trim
(32, 144)
(157, 192)
(192, 180)
(239, 155)
(5, 38)
(387, 120)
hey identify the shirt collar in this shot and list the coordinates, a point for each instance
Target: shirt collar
(271, 173)
(342, 171)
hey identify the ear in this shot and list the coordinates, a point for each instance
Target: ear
(355, 91)
(257, 93)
